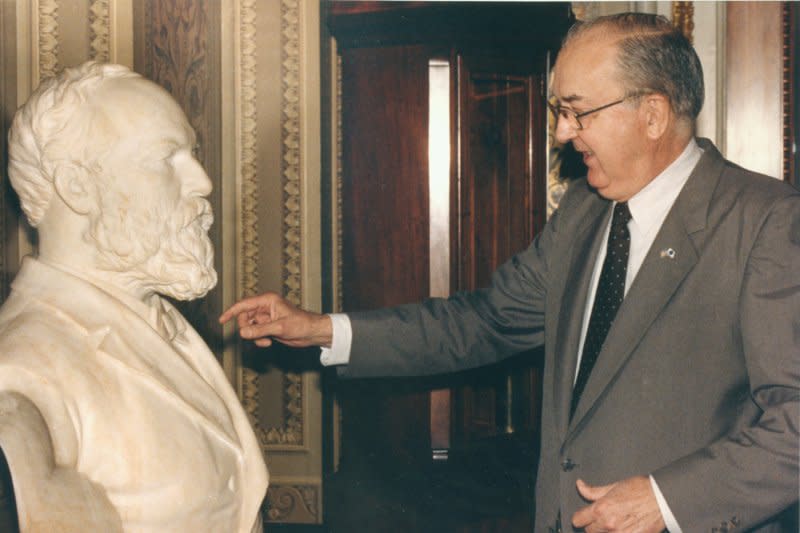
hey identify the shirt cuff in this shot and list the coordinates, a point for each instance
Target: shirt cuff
(339, 352)
(666, 512)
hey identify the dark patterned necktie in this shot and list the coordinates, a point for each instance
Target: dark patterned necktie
(609, 295)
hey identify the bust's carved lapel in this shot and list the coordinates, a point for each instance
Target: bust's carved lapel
(115, 331)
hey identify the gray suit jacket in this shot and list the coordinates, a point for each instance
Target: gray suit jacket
(698, 382)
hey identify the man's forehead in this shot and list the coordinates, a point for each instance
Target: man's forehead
(584, 68)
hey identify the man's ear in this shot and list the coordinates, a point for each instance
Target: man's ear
(657, 114)
(74, 187)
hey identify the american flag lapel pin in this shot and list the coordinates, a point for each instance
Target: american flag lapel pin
(668, 253)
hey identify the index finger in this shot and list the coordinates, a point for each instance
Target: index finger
(242, 306)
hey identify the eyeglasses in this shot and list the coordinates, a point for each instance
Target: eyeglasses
(573, 118)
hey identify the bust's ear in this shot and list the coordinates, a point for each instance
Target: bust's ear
(73, 185)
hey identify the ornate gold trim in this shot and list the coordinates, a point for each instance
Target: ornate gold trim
(248, 245)
(683, 18)
(248, 155)
(290, 139)
(298, 504)
(48, 39)
(99, 30)
(292, 432)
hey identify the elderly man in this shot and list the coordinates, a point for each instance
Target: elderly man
(665, 289)
(114, 414)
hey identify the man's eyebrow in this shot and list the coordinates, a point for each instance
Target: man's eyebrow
(570, 99)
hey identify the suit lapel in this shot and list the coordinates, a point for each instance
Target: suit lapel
(658, 278)
(584, 250)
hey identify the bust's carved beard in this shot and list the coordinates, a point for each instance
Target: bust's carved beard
(169, 253)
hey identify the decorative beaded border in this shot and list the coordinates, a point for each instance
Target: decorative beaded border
(48, 39)
(99, 32)
(292, 432)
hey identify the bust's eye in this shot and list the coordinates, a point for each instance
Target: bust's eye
(196, 150)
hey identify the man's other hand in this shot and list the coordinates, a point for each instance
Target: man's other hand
(268, 317)
(626, 506)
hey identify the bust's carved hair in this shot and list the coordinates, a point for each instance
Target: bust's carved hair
(52, 129)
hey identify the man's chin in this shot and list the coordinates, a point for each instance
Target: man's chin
(597, 180)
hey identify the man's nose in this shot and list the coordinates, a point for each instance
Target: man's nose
(564, 131)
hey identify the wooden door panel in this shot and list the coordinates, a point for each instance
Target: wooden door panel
(500, 208)
(385, 240)
(385, 164)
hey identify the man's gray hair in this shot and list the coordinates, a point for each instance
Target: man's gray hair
(44, 132)
(653, 57)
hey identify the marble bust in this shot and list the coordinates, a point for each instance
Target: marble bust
(114, 414)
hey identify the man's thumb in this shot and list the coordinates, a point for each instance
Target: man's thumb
(591, 493)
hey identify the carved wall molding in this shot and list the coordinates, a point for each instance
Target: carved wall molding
(47, 13)
(248, 243)
(297, 503)
(291, 434)
(99, 30)
(248, 157)
(290, 140)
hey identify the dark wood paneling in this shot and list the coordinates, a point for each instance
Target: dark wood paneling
(181, 53)
(510, 25)
(385, 164)
(385, 221)
(501, 206)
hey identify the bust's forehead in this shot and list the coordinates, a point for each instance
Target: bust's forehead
(134, 103)
(125, 91)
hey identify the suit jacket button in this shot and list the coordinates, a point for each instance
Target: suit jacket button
(567, 465)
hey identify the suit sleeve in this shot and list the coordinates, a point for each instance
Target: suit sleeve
(468, 329)
(752, 473)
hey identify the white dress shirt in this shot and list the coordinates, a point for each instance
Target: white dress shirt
(649, 207)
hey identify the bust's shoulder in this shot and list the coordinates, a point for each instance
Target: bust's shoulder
(39, 338)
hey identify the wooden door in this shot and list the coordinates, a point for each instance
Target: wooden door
(454, 452)
(501, 206)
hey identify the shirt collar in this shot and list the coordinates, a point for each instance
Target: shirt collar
(649, 206)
